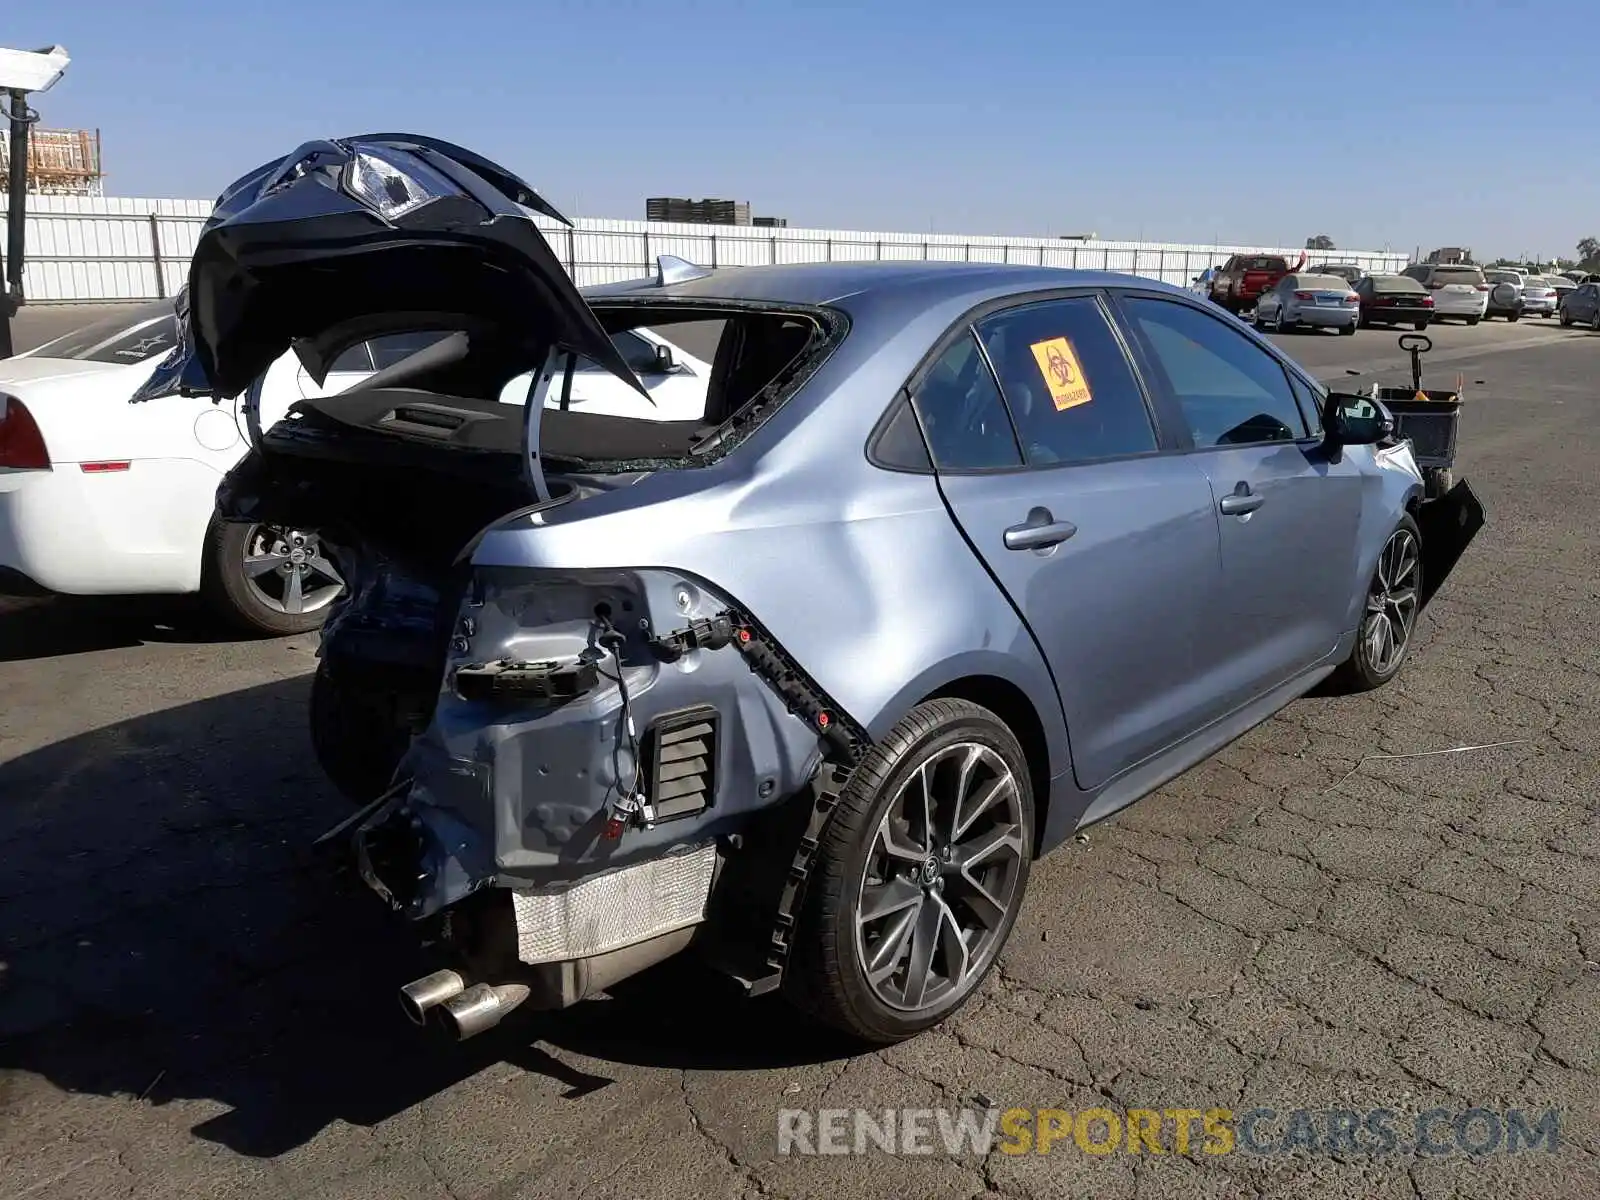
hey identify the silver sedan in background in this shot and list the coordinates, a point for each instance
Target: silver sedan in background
(1539, 297)
(1318, 301)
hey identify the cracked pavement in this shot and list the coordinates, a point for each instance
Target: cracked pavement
(191, 1006)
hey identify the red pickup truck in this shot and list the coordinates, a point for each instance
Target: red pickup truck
(1244, 277)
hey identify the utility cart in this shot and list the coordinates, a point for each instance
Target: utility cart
(1428, 416)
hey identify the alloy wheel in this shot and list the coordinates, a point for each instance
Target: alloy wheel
(941, 879)
(287, 570)
(1392, 602)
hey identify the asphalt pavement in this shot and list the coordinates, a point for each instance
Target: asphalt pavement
(1316, 919)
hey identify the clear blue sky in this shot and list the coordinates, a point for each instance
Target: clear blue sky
(1458, 122)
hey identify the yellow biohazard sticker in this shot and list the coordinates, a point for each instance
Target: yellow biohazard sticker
(1063, 375)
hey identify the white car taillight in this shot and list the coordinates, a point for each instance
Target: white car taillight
(21, 444)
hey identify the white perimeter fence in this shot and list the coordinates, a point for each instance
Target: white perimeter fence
(83, 249)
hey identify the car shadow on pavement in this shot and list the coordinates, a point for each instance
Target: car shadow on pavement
(168, 934)
(52, 626)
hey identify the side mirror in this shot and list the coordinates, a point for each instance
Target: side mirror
(1351, 420)
(664, 363)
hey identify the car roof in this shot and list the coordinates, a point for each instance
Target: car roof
(917, 284)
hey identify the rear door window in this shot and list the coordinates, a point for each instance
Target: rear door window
(1231, 391)
(962, 415)
(1067, 382)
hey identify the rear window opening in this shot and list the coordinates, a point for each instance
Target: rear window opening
(416, 471)
(1458, 275)
(712, 374)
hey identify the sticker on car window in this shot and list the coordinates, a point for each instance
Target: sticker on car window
(1063, 375)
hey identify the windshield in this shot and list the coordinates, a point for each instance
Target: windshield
(1264, 264)
(128, 337)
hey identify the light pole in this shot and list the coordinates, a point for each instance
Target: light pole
(21, 72)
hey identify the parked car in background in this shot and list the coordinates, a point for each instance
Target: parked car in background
(1459, 290)
(621, 687)
(1562, 286)
(1581, 306)
(1538, 297)
(1200, 285)
(1244, 277)
(1348, 272)
(1393, 300)
(1309, 301)
(1505, 294)
(102, 497)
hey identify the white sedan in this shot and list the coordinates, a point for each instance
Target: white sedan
(102, 497)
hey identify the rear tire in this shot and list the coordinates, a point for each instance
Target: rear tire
(1473, 320)
(1374, 661)
(1419, 326)
(356, 735)
(228, 588)
(1347, 330)
(856, 870)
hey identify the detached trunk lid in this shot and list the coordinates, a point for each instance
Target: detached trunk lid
(345, 238)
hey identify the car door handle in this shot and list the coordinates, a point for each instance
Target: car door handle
(1241, 503)
(1039, 531)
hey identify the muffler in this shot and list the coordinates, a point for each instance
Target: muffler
(479, 1008)
(420, 995)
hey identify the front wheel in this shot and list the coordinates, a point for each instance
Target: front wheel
(919, 876)
(267, 580)
(1390, 616)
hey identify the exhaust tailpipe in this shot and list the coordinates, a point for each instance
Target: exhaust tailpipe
(420, 995)
(479, 1008)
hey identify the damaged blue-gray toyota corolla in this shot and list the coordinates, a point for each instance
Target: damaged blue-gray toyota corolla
(958, 559)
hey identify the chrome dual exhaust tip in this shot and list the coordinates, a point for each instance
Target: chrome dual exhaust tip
(421, 995)
(479, 1008)
(460, 1010)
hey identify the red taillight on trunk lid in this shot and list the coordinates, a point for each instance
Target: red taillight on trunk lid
(1427, 302)
(21, 443)
(1304, 296)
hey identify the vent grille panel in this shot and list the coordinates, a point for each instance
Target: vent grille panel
(683, 763)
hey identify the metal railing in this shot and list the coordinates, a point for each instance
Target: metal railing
(78, 257)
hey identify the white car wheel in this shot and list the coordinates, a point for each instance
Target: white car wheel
(267, 580)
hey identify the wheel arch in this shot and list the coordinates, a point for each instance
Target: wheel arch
(1012, 705)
